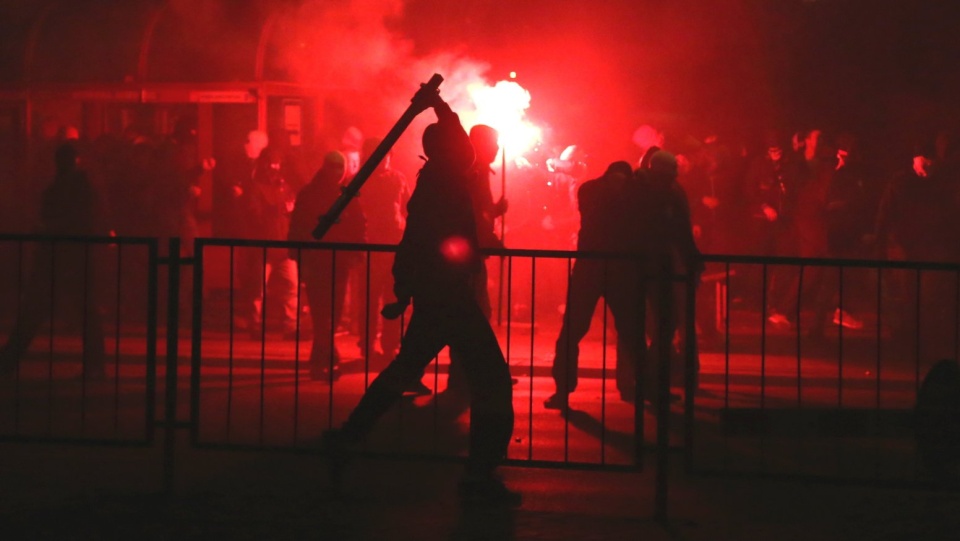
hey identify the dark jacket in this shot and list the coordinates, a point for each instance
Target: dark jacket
(438, 257)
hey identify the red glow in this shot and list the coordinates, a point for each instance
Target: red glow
(455, 250)
(503, 106)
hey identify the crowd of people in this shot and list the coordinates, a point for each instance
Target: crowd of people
(811, 195)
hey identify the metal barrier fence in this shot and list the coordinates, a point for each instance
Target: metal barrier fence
(78, 322)
(811, 368)
(254, 385)
(801, 367)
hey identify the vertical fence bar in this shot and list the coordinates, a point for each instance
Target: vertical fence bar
(264, 302)
(84, 323)
(370, 334)
(877, 368)
(603, 376)
(799, 342)
(726, 357)
(173, 326)
(763, 361)
(917, 337)
(840, 340)
(296, 352)
(533, 289)
(53, 323)
(16, 369)
(153, 292)
(800, 464)
(231, 361)
(116, 343)
(509, 304)
(691, 379)
(196, 340)
(664, 337)
(639, 435)
(956, 317)
(333, 333)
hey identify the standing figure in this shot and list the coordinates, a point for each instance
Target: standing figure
(436, 266)
(604, 211)
(65, 272)
(325, 272)
(771, 190)
(665, 239)
(485, 211)
(267, 206)
(177, 190)
(235, 178)
(384, 201)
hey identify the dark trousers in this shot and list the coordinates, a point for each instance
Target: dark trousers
(617, 283)
(464, 327)
(381, 294)
(457, 379)
(326, 285)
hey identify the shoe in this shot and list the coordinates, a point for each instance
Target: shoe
(557, 401)
(847, 320)
(487, 491)
(418, 389)
(779, 320)
(325, 373)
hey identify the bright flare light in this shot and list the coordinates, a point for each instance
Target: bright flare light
(503, 107)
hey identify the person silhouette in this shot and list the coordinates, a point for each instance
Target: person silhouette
(436, 265)
(66, 272)
(325, 273)
(603, 216)
(486, 146)
(665, 240)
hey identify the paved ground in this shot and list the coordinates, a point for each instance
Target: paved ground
(95, 493)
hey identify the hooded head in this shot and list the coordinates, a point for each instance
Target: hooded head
(447, 148)
(65, 158)
(485, 143)
(663, 165)
(620, 169)
(335, 163)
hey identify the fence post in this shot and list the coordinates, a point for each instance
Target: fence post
(691, 368)
(173, 338)
(665, 344)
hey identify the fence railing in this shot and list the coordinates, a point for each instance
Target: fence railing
(818, 378)
(256, 386)
(800, 367)
(79, 328)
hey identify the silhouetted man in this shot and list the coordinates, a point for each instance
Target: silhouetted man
(664, 237)
(485, 211)
(177, 191)
(267, 206)
(65, 271)
(604, 211)
(771, 190)
(323, 271)
(436, 265)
